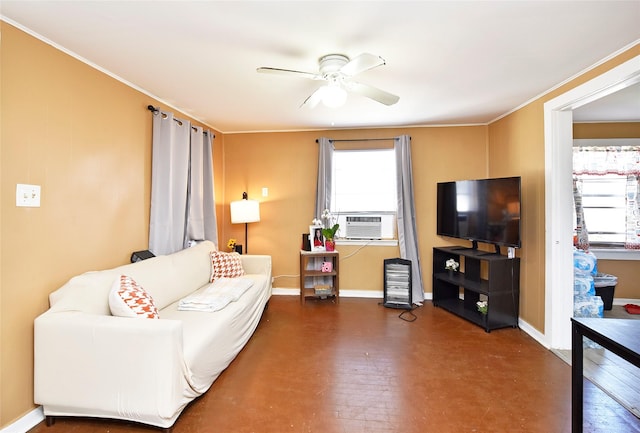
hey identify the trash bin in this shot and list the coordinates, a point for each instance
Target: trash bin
(605, 285)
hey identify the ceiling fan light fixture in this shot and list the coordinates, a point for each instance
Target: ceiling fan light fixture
(333, 96)
(338, 71)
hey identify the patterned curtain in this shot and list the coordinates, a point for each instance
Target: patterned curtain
(632, 235)
(581, 227)
(620, 160)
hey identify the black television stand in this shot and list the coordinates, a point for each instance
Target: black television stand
(474, 246)
(487, 276)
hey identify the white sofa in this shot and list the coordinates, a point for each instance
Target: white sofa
(90, 363)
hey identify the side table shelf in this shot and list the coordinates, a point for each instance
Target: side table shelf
(316, 283)
(487, 276)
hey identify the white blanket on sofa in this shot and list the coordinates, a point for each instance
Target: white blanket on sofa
(216, 295)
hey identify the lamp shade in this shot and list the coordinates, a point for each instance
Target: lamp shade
(245, 211)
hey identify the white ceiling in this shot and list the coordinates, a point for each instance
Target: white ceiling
(623, 105)
(451, 62)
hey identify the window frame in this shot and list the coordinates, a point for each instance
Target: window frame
(388, 237)
(612, 252)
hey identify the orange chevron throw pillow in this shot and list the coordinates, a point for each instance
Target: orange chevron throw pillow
(225, 265)
(128, 299)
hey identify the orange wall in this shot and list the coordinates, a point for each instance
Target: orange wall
(516, 144)
(607, 130)
(516, 147)
(286, 163)
(86, 139)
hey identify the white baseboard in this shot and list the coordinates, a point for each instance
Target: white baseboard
(534, 333)
(374, 294)
(625, 301)
(285, 292)
(26, 423)
(343, 293)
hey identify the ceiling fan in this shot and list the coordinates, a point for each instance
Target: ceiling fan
(338, 72)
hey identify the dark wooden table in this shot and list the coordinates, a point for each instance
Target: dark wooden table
(620, 336)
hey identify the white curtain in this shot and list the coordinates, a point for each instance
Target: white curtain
(407, 231)
(181, 185)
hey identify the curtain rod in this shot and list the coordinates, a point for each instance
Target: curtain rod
(364, 139)
(157, 110)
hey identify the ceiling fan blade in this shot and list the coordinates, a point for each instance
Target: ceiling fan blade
(313, 99)
(309, 75)
(361, 63)
(371, 92)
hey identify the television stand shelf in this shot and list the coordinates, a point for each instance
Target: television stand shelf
(487, 276)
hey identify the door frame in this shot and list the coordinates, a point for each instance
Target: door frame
(558, 138)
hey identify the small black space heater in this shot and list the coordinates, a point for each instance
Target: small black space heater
(397, 284)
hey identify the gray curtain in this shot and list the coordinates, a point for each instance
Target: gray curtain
(201, 220)
(407, 232)
(181, 185)
(325, 177)
(209, 198)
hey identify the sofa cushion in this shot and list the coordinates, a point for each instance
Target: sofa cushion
(227, 265)
(173, 276)
(128, 299)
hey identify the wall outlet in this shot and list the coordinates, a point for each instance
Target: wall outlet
(511, 252)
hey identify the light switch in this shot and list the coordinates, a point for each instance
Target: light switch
(265, 192)
(27, 195)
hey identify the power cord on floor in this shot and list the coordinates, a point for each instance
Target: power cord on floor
(412, 317)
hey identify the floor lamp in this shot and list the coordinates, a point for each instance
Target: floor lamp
(245, 211)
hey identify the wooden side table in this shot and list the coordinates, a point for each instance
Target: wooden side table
(316, 282)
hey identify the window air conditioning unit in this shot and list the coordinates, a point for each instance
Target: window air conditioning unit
(364, 227)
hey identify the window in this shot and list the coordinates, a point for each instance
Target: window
(364, 184)
(608, 180)
(604, 207)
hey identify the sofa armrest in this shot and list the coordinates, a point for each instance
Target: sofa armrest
(105, 364)
(256, 264)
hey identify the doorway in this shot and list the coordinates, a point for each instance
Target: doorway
(558, 132)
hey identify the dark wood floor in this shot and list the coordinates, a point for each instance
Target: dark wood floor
(357, 367)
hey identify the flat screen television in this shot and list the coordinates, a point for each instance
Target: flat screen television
(482, 210)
